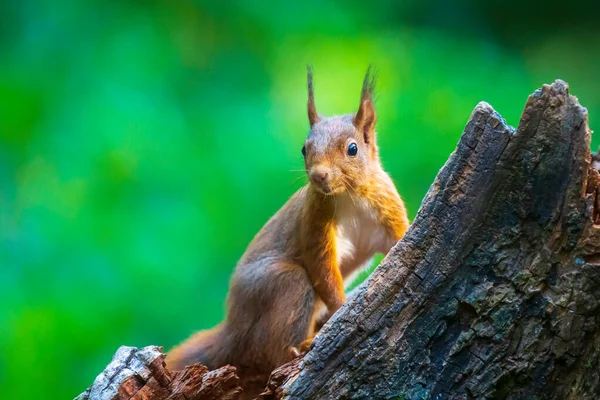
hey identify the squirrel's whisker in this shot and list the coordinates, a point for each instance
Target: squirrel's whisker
(348, 189)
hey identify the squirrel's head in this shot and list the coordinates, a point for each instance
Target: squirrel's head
(340, 150)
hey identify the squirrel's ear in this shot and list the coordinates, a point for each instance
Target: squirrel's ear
(313, 117)
(365, 117)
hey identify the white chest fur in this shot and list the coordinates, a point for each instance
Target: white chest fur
(359, 233)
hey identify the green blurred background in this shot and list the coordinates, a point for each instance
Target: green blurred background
(144, 143)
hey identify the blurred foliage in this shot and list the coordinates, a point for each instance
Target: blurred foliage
(144, 143)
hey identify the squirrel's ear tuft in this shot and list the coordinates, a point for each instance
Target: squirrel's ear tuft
(313, 117)
(365, 117)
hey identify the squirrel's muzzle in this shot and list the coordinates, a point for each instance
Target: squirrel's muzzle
(321, 175)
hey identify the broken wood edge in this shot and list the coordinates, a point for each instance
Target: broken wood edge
(140, 374)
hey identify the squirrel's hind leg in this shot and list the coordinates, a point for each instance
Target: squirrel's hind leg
(282, 307)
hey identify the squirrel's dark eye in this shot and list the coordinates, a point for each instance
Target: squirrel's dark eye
(304, 151)
(352, 149)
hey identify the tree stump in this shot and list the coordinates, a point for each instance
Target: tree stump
(494, 291)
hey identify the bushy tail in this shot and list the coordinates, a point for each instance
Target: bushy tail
(206, 347)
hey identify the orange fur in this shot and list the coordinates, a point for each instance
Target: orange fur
(317, 240)
(297, 263)
(382, 195)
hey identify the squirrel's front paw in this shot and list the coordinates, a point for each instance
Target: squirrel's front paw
(304, 347)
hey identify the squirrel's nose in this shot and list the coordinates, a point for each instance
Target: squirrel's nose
(319, 174)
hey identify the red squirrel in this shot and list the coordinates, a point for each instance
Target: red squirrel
(296, 265)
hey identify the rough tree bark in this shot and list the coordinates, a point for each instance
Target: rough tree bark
(494, 291)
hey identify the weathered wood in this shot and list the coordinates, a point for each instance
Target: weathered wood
(494, 291)
(141, 375)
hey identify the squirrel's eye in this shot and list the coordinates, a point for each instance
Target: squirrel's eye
(304, 151)
(352, 149)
